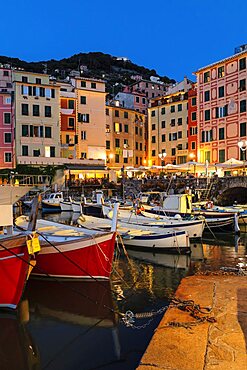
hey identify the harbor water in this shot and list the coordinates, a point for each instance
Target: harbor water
(75, 325)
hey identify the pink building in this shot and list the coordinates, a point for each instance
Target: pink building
(221, 109)
(7, 159)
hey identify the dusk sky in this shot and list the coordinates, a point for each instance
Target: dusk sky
(173, 37)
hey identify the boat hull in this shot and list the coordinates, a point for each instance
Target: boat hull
(13, 270)
(76, 257)
(175, 241)
(50, 207)
(66, 206)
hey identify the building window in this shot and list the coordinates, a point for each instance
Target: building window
(137, 99)
(5, 73)
(83, 155)
(117, 158)
(193, 116)
(143, 101)
(7, 157)
(242, 64)
(221, 112)
(83, 135)
(207, 114)
(7, 137)
(107, 144)
(153, 153)
(136, 130)
(206, 95)
(24, 79)
(153, 126)
(85, 117)
(153, 139)
(221, 91)
(126, 128)
(117, 143)
(38, 81)
(24, 150)
(93, 85)
(222, 155)
(221, 71)
(125, 160)
(180, 121)
(193, 130)
(172, 108)
(48, 132)
(107, 111)
(141, 147)
(83, 84)
(126, 115)
(116, 113)
(24, 130)
(36, 110)
(83, 100)
(242, 106)
(193, 101)
(173, 151)
(180, 107)
(193, 145)
(180, 134)
(243, 129)
(163, 124)
(71, 104)
(36, 152)
(140, 133)
(7, 118)
(173, 122)
(24, 109)
(163, 110)
(137, 145)
(52, 151)
(153, 113)
(48, 111)
(7, 101)
(163, 138)
(67, 139)
(173, 136)
(136, 160)
(117, 127)
(71, 123)
(206, 77)
(221, 133)
(242, 85)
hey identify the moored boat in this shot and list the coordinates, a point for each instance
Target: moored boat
(52, 202)
(71, 252)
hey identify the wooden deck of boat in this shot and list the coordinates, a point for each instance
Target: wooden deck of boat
(206, 346)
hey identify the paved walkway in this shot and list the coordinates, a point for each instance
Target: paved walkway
(208, 346)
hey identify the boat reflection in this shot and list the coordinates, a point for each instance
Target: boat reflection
(180, 261)
(17, 349)
(72, 320)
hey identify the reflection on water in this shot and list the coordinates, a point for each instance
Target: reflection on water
(75, 325)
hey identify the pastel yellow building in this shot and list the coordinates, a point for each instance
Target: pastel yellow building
(167, 129)
(125, 137)
(37, 118)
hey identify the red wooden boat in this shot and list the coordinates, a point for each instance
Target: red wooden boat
(73, 252)
(87, 256)
(16, 250)
(14, 268)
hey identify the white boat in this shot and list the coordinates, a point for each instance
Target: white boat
(76, 206)
(52, 202)
(194, 227)
(66, 205)
(142, 237)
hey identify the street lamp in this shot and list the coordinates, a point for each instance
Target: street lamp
(243, 146)
(162, 157)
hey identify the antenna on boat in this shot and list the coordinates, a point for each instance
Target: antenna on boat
(114, 217)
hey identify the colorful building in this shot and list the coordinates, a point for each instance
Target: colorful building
(37, 118)
(90, 96)
(222, 109)
(167, 129)
(125, 137)
(69, 121)
(192, 123)
(7, 138)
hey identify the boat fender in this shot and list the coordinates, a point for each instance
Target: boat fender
(178, 217)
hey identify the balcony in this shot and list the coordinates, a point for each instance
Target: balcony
(57, 161)
(67, 112)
